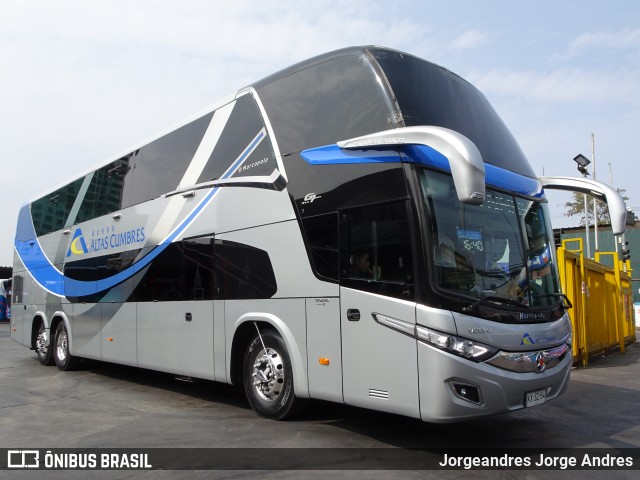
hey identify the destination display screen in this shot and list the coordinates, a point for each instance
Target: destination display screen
(470, 240)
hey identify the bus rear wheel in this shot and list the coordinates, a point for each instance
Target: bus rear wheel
(268, 376)
(63, 358)
(44, 346)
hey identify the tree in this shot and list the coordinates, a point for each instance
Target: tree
(576, 207)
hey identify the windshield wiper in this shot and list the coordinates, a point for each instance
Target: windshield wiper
(561, 295)
(492, 299)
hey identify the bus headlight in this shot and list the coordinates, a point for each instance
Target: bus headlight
(463, 347)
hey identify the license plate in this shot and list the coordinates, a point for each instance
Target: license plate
(535, 398)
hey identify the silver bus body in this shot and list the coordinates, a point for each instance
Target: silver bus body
(227, 249)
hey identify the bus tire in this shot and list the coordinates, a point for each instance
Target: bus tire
(44, 345)
(63, 358)
(268, 376)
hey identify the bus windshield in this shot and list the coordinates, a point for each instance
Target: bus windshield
(501, 249)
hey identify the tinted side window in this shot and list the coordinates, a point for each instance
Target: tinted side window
(51, 212)
(144, 174)
(376, 253)
(243, 272)
(198, 268)
(98, 268)
(324, 103)
(260, 161)
(238, 140)
(184, 271)
(160, 165)
(322, 237)
(342, 186)
(106, 190)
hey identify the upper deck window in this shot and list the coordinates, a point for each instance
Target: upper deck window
(158, 166)
(241, 138)
(324, 103)
(50, 212)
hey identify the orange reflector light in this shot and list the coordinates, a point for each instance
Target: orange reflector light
(323, 361)
(110, 339)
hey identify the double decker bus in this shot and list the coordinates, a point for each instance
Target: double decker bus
(360, 227)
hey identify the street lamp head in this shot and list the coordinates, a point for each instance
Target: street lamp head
(581, 160)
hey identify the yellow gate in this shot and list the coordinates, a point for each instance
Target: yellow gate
(602, 313)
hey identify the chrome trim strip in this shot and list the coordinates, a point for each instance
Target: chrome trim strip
(529, 362)
(395, 324)
(275, 181)
(269, 127)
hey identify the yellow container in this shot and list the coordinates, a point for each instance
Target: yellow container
(602, 314)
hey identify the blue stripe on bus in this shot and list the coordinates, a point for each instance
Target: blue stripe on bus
(511, 181)
(54, 281)
(333, 154)
(418, 154)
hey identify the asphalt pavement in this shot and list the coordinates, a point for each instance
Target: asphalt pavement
(109, 406)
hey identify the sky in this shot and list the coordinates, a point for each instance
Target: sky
(82, 81)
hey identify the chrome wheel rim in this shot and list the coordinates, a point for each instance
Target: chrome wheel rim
(63, 343)
(42, 343)
(268, 374)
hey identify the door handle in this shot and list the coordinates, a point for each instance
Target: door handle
(353, 315)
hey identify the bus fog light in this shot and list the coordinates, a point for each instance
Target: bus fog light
(469, 393)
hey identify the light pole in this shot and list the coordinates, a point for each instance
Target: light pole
(595, 206)
(582, 162)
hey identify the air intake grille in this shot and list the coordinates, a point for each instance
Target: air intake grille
(382, 394)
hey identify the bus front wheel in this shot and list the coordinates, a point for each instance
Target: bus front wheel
(62, 355)
(268, 377)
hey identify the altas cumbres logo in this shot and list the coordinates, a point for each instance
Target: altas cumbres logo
(527, 340)
(78, 246)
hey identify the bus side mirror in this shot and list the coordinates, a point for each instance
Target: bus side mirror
(465, 160)
(617, 207)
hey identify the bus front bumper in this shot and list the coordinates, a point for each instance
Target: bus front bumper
(454, 389)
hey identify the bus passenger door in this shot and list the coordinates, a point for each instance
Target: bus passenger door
(197, 323)
(377, 314)
(379, 363)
